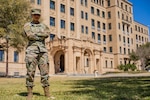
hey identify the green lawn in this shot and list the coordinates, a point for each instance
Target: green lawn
(73, 88)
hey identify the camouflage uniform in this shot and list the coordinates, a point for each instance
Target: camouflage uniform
(36, 52)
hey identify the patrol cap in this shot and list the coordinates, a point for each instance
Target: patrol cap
(36, 11)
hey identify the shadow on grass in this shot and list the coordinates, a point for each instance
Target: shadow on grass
(128, 88)
(25, 94)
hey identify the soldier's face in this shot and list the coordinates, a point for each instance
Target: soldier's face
(35, 17)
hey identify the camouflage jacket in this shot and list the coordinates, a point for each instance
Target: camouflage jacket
(36, 34)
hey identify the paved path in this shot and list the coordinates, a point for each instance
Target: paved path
(125, 75)
(106, 75)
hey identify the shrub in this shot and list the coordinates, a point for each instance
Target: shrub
(127, 67)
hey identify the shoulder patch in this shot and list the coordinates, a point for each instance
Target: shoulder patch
(27, 27)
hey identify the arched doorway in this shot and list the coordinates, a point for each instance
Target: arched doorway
(59, 62)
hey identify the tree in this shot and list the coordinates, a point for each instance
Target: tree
(13, 15)
(133, 57)
(142, 54)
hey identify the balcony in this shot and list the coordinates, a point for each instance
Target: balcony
(126, 22)
(57, 43)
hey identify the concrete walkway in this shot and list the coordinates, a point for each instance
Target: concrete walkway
(126, 75)
(105, 75)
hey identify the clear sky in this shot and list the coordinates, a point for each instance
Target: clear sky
(141, 11)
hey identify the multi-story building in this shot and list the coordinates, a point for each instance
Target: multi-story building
(85, 35)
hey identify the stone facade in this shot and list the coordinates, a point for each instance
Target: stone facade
(86, 36)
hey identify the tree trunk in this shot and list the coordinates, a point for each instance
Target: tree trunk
(7, 57)
(143, 63)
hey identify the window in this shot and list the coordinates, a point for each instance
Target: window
(98, 25)
(72, 11)
(139, 38)
(124, 40)
(109, 26)
(117, 3)
(52, 21)
(128, 41)
(123, 27)
(127, 28)
(110, 37)
(109, 15)
(110, 49)
(86, 29)
(130, 9)
(99, 38)
(104, 38)
(126, 18)
(120, 50)
(104, 27)
(72, 26)
(1, 55)
(121, 5)
(128, 51)
(62, 24)
(62, 8)
(111, 64)
(123, 16)
(102, 2)
(119, 37)
(126, 8)
(104, 49)
(142, 30)
(87, 62)
(86, 16)
(108, 3)
(82, 28)
(16, 56)
(106, 64)
(93, 35)
(124, 50)
(81, 2)
(39, 2)
(52, 36)
(93, 23)
(85, 2)
(98, 12)
(82, 14)
(103, 14)
(118, 25)
(92, 10)
(136, 38)
(52, 5)
(139, 29)
(135, 27)
(118, 14)
(142, 39)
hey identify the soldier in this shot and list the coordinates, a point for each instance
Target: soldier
(36, 53)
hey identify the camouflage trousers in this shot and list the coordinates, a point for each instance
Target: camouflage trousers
(32, 60)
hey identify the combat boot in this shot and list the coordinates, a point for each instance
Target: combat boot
(47, 94)
(30, 94)
(46, 91)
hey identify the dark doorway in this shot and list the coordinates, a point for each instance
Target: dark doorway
(62, 63)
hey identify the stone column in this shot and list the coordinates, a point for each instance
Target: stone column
(66, 61)
(58, 18)
(82, 61)
(77, 14)
(68, 17)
